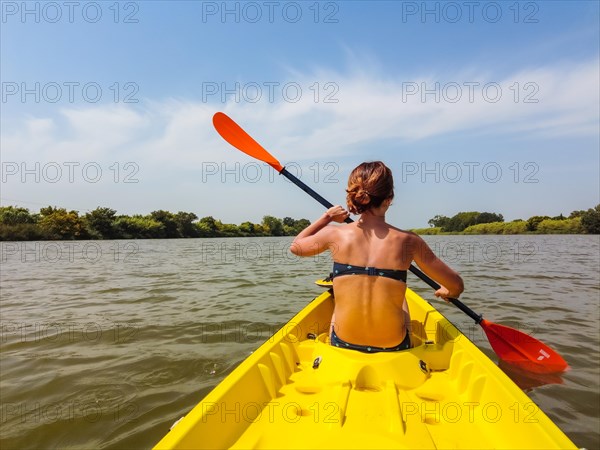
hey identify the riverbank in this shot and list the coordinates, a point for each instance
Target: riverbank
(51, 223)
(547, 226)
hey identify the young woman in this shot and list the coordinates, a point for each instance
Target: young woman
(371, 258)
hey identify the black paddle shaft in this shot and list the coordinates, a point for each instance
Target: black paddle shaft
(309, 191)
(460, 305)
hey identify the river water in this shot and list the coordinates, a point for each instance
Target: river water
(104, 344)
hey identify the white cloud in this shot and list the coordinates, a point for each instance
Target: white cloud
(177, 135)
(370, 107)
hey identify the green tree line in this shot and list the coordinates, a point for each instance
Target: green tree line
(474, 222)
(52, 223)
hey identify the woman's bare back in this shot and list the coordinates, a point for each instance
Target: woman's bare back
(369, 309)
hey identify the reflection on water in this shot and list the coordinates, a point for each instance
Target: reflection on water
(106, 344)
(527, 379)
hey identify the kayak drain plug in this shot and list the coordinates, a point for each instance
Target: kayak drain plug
(317, 362)
(312, 336)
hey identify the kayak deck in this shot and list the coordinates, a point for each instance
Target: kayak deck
(297, 391)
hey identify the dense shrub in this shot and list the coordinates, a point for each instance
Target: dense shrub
(427, 231)
(564, 226)
(18, 224)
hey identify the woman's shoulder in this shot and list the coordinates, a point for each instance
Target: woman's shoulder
(403, 233)
(406, 239)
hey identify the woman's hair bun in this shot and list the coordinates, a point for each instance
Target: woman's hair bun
(362, 197)
(369, 185)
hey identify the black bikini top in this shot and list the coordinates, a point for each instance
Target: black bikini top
(346, 269)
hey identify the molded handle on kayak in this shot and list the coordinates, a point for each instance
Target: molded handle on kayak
(464, 308)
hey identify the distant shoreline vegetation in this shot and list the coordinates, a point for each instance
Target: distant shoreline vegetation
(474, 222)
(51, 223)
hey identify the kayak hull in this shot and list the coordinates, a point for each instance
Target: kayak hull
(297, 391)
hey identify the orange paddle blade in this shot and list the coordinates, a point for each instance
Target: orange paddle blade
(236, 136)
(520, 349)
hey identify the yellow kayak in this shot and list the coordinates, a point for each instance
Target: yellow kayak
(297, 391)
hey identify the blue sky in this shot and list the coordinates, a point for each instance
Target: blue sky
(474, 105)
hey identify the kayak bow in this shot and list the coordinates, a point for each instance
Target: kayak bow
(298, 391)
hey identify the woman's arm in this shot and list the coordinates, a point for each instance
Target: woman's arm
(451, 283)
(318, 237)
